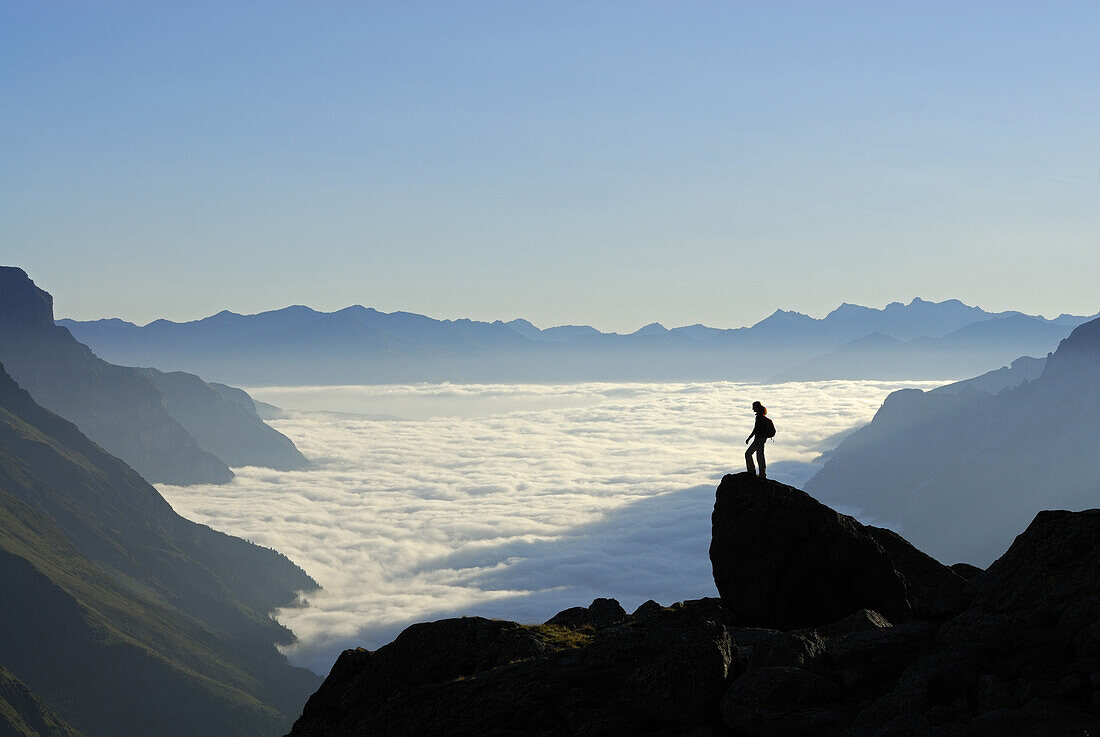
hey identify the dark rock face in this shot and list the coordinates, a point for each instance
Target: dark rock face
(781, 559)
(760, 703)
(1017, 653)
(1036, 614)
(472, 676)
(597, 615)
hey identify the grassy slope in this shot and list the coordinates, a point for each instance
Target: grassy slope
(23, 714)
(124, 616)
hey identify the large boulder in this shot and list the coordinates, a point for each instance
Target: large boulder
(597, 615)
(781, 559)
(1021, 658)
(1037, 608)
(1025, 653)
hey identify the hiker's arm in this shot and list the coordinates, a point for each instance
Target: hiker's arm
(749, 437)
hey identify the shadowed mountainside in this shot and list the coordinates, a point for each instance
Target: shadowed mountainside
(1010, 650)
(298, 345)
(959, 470)
(121, 615)
(23, 714)
(224, 420)
(171, 427)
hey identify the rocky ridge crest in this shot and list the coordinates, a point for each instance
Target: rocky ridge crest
(793, 648)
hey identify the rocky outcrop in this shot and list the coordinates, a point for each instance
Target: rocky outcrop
(1013, 652)
(599, 614)
(661, 672)
(783, 560)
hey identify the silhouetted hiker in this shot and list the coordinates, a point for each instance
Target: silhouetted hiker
(762, 430)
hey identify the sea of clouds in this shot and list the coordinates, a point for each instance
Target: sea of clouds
(509, 501)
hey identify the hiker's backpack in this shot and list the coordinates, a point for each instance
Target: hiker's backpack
(769, 428)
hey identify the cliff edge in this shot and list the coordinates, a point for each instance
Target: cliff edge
(794, 647)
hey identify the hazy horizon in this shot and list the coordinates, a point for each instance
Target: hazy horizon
(545, 326)
(610, 164)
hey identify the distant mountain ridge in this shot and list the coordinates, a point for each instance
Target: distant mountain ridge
(298, 345)
(971, 349)
(172, 427)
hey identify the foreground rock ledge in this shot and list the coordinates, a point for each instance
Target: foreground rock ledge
(781, 559)
(1018, 654)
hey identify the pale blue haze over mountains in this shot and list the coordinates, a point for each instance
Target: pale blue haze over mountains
(958, 469)
(603, 163)
(299, 345)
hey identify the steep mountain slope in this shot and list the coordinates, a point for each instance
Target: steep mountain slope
(297, 345)
(23, 714)
(173, 428)
(224, 422)
(120, 614)
(958, 473)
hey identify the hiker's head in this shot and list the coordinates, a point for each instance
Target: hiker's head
(759, 408)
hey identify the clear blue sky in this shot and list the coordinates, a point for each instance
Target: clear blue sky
(612, 163)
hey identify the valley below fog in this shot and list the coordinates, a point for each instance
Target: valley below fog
(510, 501)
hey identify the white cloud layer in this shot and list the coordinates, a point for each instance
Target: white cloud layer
(511, 501)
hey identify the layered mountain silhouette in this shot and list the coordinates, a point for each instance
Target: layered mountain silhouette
(969, 350)
(119, 615)
(298, 345)
(171, 427)
(825, 628)
(960, 469)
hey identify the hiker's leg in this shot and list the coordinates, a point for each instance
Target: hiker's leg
(760, 458)
(748, 458)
